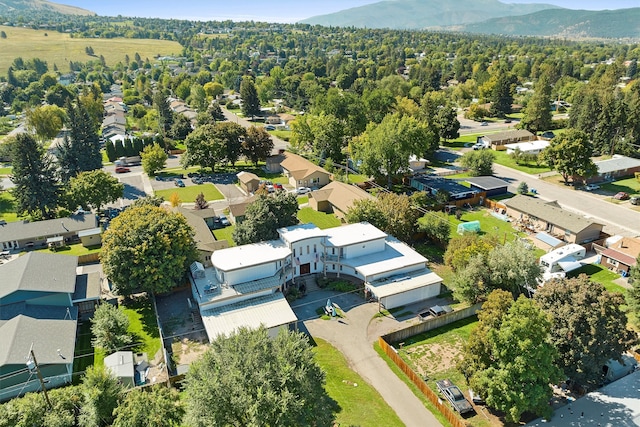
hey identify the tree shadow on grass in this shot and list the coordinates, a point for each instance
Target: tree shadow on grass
(144, 307)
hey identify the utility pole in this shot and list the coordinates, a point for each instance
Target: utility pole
(32, 363)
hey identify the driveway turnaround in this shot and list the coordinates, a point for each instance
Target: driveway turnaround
(354, 336)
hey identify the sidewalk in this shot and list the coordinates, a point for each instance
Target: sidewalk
(354, 337)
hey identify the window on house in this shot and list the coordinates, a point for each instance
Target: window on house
(314, 248)
(307, 249)
(315, 266)
(334, 266)
(340, 268)
(294, 252)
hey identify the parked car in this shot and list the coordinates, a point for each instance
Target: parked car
(270, 127)
(635, 200)
(591, 187)
(278, 186)
(484, 124)
(303, 190)
(508, 121)
(122, 169)
(270, 188)
(224, 220)
(621, 196)
(179, 183)
(478, 146)
(453, 394)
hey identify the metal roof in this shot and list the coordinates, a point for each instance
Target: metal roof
(487, 182)
(270, 311)
(87, 287)
(395, 256)
(249, 255)
(120, 364)
(405, 283)
(352, 234)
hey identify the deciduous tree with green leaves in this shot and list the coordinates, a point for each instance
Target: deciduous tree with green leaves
(633, 294)
(46, 121)
(264, 216)
(589, 326)
(257, 144)
(101, 393)
(109, 327)
(147, 248)
(570, 154)
(94, 189)
(249, 378)
(513, 267)
(160, 407)
(479, 162)
(153, 159)
(436, 226)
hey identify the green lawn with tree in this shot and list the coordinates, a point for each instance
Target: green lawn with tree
(189, 193)
(320, 219)
(360, 403)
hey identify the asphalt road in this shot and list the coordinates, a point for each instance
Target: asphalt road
(617, 218)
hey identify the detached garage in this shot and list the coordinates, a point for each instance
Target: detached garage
(491, 185)
(409, 289)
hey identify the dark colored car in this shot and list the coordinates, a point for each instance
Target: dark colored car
(179, 183)
(635, 200)
(453, 394)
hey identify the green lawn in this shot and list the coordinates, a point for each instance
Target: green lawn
(504, 159)
(599, 274)
(75, 250)
(320, 219)
(488, 224)
(629, 185)
(359, 405)
(142, 325)
(188, 194)
(284, 135)
(303, 200)
(225, 234)
(84, 352)
(7, 207)
(5, 170)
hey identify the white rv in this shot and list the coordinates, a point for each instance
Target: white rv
(558, 262)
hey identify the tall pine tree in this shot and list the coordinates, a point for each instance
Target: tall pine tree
(81, 150)
(37, 190)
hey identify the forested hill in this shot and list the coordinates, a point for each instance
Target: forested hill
(7, 6)
(421, 14)
(572, 24)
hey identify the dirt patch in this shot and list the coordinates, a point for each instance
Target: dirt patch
(433, 358)
(187, 350)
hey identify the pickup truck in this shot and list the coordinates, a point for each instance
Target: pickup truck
(453, 394)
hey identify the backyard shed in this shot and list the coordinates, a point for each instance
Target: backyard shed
(469, 227)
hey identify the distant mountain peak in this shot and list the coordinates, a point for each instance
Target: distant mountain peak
(422, 14)
(41, 5)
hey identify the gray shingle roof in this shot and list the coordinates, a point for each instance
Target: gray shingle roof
(52, 227)
(549, 212)
(87, 287)
(47, 336)
(616, 163)
(487, 182)
(39, 272)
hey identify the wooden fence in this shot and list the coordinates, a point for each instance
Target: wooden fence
(413, 330)
(422, 386)
(89, 258)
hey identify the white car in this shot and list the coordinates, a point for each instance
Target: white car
(303, 190)
(591, 187)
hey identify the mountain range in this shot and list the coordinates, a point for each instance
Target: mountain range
(488, 17)
(40, 5)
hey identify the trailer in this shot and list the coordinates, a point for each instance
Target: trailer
(562, 260)
(129, 161)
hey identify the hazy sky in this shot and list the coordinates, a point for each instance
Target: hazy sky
(273, 10)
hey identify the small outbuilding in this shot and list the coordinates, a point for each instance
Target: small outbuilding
(469, 227)
(248, 181)
(489, 184)
(121, 365)
(91, 237)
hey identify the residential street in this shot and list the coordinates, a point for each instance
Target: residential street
(618, 219)
(278, 144)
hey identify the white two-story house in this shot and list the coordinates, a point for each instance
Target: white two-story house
(246, 283)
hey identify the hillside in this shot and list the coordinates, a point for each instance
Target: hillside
(421, 14)
(40, 5)
(572, 24)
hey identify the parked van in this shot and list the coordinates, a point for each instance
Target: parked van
(614, 370)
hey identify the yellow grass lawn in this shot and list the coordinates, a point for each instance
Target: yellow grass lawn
(58, 48)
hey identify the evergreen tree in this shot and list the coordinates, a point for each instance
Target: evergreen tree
(502, 94)
(138, 146)
(537, 114)
(119, 148)
(249, 95)
(36, 191)
(128, 147)
(165, 115)
(81, 152)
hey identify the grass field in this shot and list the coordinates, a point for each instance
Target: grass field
(58, 48)
(188, 194)
(320, 219)
(504, 159)
(359, 404)
(629, 185)
(7, 207)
